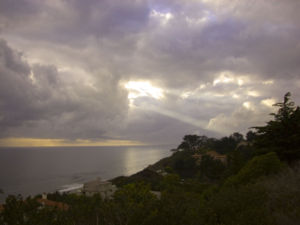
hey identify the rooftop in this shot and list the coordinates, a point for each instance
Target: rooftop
(59, 205)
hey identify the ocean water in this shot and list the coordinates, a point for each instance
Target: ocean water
(29, 171)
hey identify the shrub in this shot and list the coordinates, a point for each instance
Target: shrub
(257, 167)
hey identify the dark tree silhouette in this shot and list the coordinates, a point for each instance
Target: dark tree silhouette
(282, 134)
(193, 142)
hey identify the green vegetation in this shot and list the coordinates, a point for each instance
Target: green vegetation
(207, 181)
(282, 135)
(257, 167)
(210, 169)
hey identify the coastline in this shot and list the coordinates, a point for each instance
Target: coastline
(107, 163)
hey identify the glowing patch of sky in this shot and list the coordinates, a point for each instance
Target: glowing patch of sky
(235, 96)
(143, 88)
(268, 82)
(248, 105)
(192, 93)
(162, 16)
(207, 16)
(227, 77)
(223, 78)
(253, 93)
(269, 102)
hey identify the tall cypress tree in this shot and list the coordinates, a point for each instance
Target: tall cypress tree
(282, 134)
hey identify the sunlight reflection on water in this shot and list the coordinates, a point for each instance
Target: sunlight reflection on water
(30, 171)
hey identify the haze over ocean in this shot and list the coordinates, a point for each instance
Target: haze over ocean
(29, 171)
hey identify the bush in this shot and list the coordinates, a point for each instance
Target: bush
(210, 169)
(257, 167)
(244, 205)
(283, 191)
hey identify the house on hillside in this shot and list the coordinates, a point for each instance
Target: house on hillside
(105, 188)
(49, 203)
(213, 154)
(46, 203)
(157, 194)
(243, 144)
(217, 156)
(161, 172)
(198, 158)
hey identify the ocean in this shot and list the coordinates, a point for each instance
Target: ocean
(30, 171)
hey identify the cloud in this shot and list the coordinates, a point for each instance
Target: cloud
(16, 12)
(209, 58)
(40, 101)
(237, 37)
(240, 120)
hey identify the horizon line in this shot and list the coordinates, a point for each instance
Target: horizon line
(49, 142)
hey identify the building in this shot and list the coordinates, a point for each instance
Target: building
(49, 203)
(217, 156)
(213, 154)
(243, 144)
(105, 188)
(46, 203)
(198, 158)
(157, 194)
(161, 172)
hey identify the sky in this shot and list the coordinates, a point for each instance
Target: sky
(135, 72)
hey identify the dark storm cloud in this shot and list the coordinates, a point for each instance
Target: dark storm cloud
(219, 63)
(37, 101)
(194, 54)
(13, 12)
(72, 22)
(15, 101)
(224, 45)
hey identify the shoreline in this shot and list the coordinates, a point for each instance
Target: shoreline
(78, 181)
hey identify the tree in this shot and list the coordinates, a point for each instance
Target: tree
(237, 137)
(28, 211)
(286, 109)
(179, 207)
(226, 144)
(85, 209)
(235, 161)
(250, 136)
(13, 212)
(133, 204)
(282, 134)
(210, 168)
(193, 142)
(184, 163)
(284, 196)
(243, 205)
